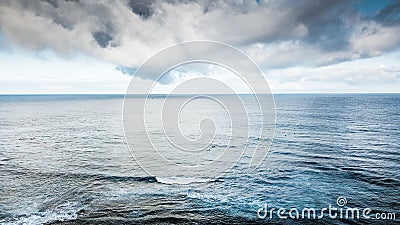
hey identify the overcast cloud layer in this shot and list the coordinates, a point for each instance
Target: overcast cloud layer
(278, 35)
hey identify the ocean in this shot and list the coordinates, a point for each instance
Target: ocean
(64, 160)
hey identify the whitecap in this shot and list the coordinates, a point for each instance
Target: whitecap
(181, 180)
(64, 212)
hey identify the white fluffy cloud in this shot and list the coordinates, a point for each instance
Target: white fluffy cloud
(379, 74)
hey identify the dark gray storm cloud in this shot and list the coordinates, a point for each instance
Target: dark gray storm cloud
(278, 34)
(142, 8)
(390, 15)
(327, 22)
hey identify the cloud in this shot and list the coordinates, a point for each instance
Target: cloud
(390, 15)
(372, 72)
(371, 38)
(277, 34)
(143, 8)
(126, 70)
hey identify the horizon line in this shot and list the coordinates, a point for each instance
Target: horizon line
(164, 94)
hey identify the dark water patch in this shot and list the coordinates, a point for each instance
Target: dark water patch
(374, 180)
(316, 165)
(184, 219)
(79, 176)
(148, 179)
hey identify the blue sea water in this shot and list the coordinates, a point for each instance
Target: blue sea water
(63, 159)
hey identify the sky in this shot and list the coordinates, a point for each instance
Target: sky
(301, 46)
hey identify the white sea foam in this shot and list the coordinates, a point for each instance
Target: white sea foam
(181, 180)
(65, 212)
(207, 197)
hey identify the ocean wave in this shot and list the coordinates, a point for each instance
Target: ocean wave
(148, 179)
(204, 196)
(65, 212)
(182, 180)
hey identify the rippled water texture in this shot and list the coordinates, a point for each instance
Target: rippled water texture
(64, 158)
